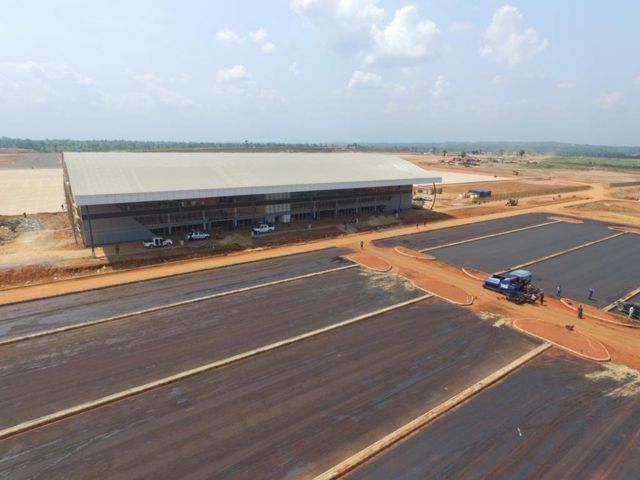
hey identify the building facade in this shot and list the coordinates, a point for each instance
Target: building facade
(115, 198)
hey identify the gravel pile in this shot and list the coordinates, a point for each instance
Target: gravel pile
(11, 227)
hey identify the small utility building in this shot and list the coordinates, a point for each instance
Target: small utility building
(119, 196)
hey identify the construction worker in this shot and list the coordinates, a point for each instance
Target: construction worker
(590, 293)
(558, 291)
(632, 310)
(580, 311)
(541, 297)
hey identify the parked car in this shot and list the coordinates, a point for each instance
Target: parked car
(263, 228)
(157, 242)
(197, 236)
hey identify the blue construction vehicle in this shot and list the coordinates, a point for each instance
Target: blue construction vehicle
(515, 285)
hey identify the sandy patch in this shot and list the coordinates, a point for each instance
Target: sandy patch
(31, 191)
(497, 320)
(627, 380)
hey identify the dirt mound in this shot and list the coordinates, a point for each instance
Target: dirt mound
(369, 261)
(446, 291)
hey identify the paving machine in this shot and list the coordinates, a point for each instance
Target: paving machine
(515, 286)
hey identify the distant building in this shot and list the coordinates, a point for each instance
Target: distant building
(119, 196)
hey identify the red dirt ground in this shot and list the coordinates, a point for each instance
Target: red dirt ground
(566, 219)
(441, 289)
(626, 229)
(407, 252)
(598, 314)
(571, 340)
(369, 261)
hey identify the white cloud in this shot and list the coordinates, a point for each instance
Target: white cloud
(357, 27)
(507, 41)
(372, 81)
(294, 68)
(565, 85)
(364, 80)
(456, 27)
(228, 36)
(404, 40)
(272, 95)
(345, 24)
(233, 74)
(498, 80)
(609, 100)
(156, 90)
(637, 80)
(36, 82)
(260, 38)
(440, 87)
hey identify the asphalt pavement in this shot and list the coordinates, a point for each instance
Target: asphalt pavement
(503, 252)
(28, 317)
(435, 238)
(556, 417)
(52, 373)
(291, 413)
(610, 268)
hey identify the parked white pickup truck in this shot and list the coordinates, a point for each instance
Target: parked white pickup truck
(157, 242)
(263, 228)
(197, 236)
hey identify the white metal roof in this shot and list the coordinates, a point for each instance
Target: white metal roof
(120, 177)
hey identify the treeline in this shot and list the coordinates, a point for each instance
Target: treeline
(69, 145)
(556, 148)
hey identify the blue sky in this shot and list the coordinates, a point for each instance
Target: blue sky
(321, 70)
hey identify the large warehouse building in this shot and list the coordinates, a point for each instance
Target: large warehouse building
(118, 196)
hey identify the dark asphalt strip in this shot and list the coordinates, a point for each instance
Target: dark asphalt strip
(556, 417)
(53, 373)
(608, 267)
(293, 412)
(500, 253)
(46, 314)
(439, 237)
